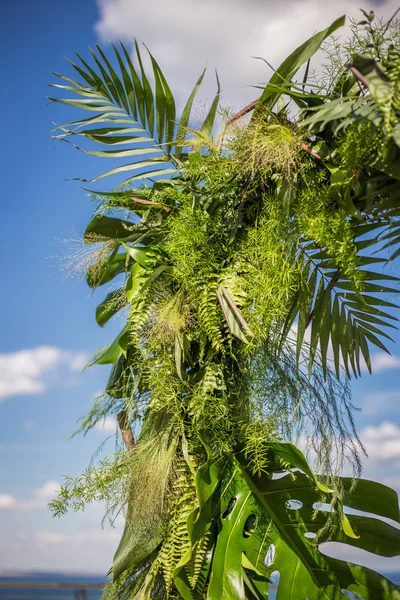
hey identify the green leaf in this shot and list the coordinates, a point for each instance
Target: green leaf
(165, 105)
(306, 295)
(124, 168)
(325, 329)
(129, 89)
(184, 120)
(146, 175)
(107, 228)
(147, 93)
(372, 338)
(114, 265)
(136, 281)
(316, 323)
(123, 154)
(234, 318)
(292, 64)
(335, 335)
(130, 553)
(206, 128)
(111, 305)
(290, 505)
(291, 316)
(227, 579)
(106, 77)
(371, 74)
(364, 348)
(396, 134)
(113, 351)
(115, 79)
(137, 86)
(145, 256)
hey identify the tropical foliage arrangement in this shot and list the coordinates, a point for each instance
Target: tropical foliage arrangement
(253, 269)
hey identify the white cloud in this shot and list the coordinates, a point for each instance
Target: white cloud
(77, 361)
(382, 442)
(108, 425)
(7, 501)
(384, 362)
(47, 491)
(184, 35)
(40, 498)
(24, 372)
(93, 535)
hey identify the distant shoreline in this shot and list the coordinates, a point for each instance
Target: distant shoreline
(23, 574)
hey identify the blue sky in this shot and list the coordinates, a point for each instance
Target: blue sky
(48, 324)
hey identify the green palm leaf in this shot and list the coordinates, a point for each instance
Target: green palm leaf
(128, 104)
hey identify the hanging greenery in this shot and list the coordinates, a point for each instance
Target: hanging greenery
(249, 266)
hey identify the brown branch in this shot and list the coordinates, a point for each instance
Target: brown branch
(310, 151)
(150, 203)
(359, 76)
(126, 430)
(242, 112)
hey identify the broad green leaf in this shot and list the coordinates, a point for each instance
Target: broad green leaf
(136, 281)
(113, 265)
(130, 553)
(111, 305)
(146, 257)
(112, 352)
(290, 504)
(102, 227)
(227, 577)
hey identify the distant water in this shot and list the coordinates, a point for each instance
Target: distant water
(24, 593)
(16, 593)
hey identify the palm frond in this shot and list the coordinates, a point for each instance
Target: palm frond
(341, 310)
(133, 112)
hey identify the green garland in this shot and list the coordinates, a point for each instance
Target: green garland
(248, 241)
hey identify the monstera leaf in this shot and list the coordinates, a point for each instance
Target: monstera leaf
(252, 525)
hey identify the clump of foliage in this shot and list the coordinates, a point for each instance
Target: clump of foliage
(226, 251)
